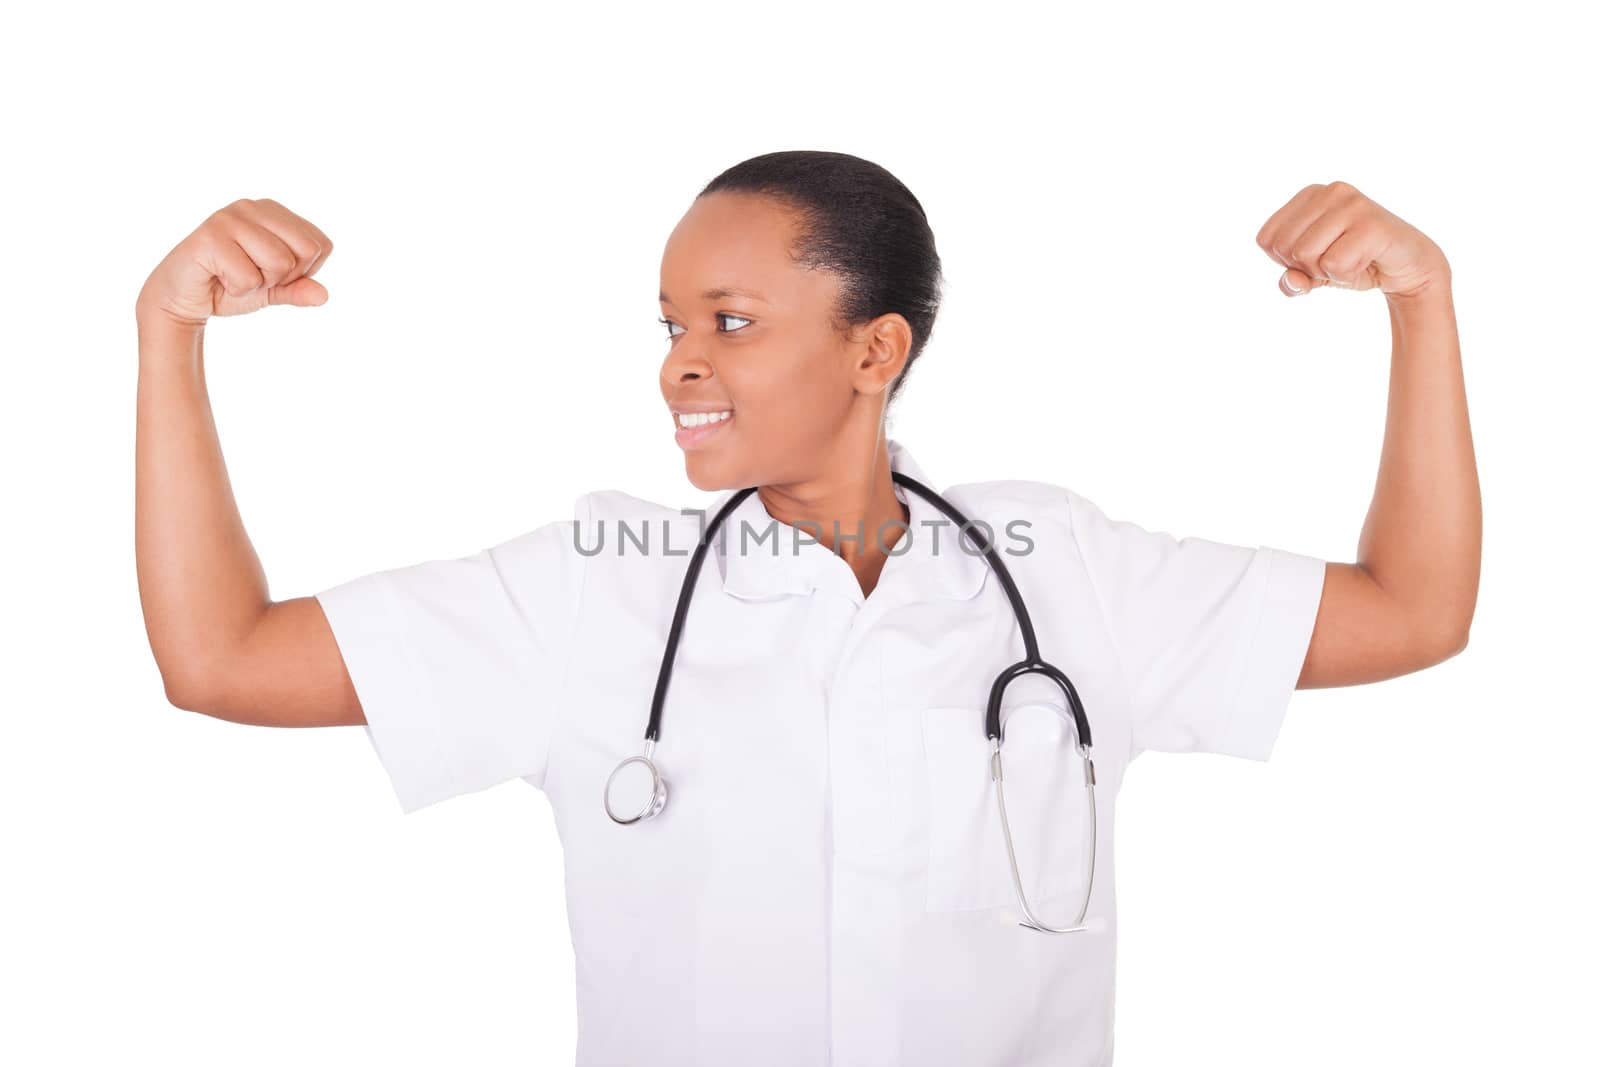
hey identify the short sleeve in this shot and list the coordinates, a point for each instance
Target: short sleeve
(459, 663)
(1211, 637)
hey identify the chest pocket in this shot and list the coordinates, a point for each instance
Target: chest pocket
(1046, 807)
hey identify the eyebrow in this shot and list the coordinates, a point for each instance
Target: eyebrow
(718, 292)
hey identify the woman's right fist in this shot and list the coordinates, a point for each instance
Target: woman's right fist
(247, 255)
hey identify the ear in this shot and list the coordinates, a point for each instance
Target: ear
(879, 349)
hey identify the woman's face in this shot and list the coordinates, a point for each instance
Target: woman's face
(754, 335)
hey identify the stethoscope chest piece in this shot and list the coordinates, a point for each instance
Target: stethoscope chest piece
(635, 790)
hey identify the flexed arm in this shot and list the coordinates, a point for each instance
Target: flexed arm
(1408, 600)
(223, 648)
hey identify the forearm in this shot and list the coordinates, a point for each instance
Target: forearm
(1422, 540)
(201, 585)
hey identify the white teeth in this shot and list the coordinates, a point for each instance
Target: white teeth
(702, 418)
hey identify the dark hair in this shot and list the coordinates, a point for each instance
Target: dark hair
(860, 222)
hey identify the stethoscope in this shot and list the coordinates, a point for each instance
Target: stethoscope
(1031, 663)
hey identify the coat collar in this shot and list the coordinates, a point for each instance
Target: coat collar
(776, 559)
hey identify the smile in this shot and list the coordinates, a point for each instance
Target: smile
(696, 427)
(689, 420)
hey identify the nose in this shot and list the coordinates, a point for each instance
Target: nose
(684, 364)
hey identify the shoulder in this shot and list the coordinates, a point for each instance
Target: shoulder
(610, 516)
(1016, 499)
(1039, 502)
(615, 504)
(633, 534)
(1054, 523)
(568, 543)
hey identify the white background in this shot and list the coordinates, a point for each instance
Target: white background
(1408, 879)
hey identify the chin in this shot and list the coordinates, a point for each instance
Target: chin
(711, 472)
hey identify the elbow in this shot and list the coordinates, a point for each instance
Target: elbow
(1437, 629)
(1432, 622)
(1460, 628)
(182, 693)
(188, 689)
(1448, 642)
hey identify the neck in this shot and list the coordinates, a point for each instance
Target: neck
(849, 507)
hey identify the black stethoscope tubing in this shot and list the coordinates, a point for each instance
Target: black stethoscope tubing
(1031, 663)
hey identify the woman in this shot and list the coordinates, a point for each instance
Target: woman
(831, 879)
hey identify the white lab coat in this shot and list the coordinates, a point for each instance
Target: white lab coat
(828, 883)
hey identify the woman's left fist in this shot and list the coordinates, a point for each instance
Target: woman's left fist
(1333, 235)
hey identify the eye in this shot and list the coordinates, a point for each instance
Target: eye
(669, 324)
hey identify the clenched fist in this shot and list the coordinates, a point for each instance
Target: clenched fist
(245, 256)
(1334, 235)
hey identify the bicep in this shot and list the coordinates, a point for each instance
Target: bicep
(287, 671)
(1363, 635)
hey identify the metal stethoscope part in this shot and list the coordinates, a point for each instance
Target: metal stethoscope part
(655, 798)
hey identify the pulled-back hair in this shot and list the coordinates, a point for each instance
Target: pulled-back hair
(860, 222)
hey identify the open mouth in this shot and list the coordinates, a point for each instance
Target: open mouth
(698, 426)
